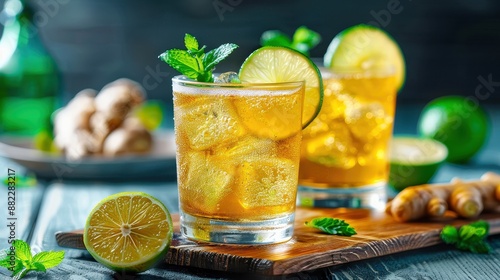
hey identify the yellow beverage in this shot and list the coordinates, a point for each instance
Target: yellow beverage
(346, 146)
(238, 150)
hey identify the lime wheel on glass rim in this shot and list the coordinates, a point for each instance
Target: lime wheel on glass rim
(364, 47)
(128, 232)
(273, 64)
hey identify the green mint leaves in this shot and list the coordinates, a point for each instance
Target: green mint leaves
(331, 226)
(469, 237)
(304, 39)
(20, 261)
(193, 62)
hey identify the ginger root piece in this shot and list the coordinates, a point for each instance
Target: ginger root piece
(494, 179)
(475, 196)
(117, 99)
(82, 144)
(467, 198)
(95, 124)
(415, 202)
(113, 104)
(131, 138)
(72, 125)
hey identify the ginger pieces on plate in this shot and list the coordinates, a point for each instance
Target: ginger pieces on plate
(466, 198)
(102, 123)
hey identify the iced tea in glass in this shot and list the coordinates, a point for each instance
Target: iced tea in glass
(238, 150)
(344, 159)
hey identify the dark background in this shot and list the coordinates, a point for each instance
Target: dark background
(447, 44)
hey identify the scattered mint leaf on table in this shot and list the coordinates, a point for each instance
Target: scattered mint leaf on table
(193, 62)
(331, 226)
(449, 234)
(49, 259)
(25, 261)
(470, 237)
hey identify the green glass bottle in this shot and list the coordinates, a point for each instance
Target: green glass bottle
(29, 78)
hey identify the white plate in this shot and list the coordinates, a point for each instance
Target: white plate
(158, 164)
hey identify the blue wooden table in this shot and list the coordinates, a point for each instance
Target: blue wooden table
(52, 206)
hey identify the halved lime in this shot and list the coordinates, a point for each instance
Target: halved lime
(129, 231)
(365, 47)
(272, 64)
(414, 160)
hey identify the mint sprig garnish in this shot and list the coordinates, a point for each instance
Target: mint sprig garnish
(193, 62)
(471, 237)
(24, 261)
(331, 226)
(303, 40)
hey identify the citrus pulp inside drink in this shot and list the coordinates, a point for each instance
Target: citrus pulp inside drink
(347, 144)
(238, 152)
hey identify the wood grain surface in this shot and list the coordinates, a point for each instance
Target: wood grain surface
(378, 235)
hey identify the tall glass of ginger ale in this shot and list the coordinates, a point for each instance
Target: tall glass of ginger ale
(238, 151)
(344, 158)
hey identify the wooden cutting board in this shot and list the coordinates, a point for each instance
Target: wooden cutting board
(378, 235)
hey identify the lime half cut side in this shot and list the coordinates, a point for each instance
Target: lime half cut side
(128, 232)
(280, 64)
(414, 160)
(367, 48)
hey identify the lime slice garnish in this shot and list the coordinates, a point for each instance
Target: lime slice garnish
(364, 47)
(414, 160)
(272, 64)
(129, 231)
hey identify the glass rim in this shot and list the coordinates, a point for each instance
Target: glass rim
(386, 71)
(185, 81)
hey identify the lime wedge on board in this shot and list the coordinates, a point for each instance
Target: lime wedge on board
(413, 161)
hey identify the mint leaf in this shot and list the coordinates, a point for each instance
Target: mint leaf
(479, 248)
(18, 274)
(190, 42)
(481, 224)
(332, 226)
(49, 259)
(215, 56)
(25, 262)
(301, 47)
(39, 267)
(304, 39)
(469, 237)
(193, 62)
(4, 259)
(275, 38)
(472, 234)
(183, 62)
(304, 35)
(21, 181)
(23, 250)
(449, 234)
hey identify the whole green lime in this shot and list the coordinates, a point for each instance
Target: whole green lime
(460, 123)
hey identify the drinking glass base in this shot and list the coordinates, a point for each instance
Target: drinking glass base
(237, 232)
(372, 197)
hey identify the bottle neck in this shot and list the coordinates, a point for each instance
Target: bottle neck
(18, 23)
